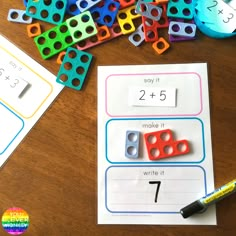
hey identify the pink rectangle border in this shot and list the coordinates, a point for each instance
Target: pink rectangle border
(148, 115)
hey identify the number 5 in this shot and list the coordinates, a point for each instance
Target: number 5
(163, 95)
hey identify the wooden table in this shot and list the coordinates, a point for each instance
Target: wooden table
(52, 174)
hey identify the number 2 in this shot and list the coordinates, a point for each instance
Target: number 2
(142, 91)
(209, 8)
(157, 190)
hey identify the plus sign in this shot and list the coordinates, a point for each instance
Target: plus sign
(220, 11)
(152, 95)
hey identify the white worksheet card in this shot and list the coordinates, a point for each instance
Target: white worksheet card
(141, 185)
(26, 90)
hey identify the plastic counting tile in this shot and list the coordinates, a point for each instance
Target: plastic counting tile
(150, 28)
(33, 30)
(81, 26)
(54, 41)
(51, 11)
(149, 10)
(72, 8)
(125, 19)
(161, 144)
(177, 38)
(103, 33)
(132, 144)
(161, 45)
(126, 3)
(137, 37)
(105, 12)
(182, 29)
(18, 16)
(60, 57)
(180, 9)
(84, 5)
(114, 32)
(163, 22)
(74, 68)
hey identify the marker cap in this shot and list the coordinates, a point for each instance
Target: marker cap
(192, 208)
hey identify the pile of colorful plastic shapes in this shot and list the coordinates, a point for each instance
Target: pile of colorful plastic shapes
(82, 24)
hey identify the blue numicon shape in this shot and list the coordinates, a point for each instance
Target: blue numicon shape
(132, 144)
(74, 68)
(52, 11)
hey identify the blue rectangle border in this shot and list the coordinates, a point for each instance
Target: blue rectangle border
(162, 162)
(150, 212)
(23, 124)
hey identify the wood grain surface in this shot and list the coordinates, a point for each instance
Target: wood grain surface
(52, 174)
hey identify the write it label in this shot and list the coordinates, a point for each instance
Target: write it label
(217, 15)
(11, 84)
(152, 96)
